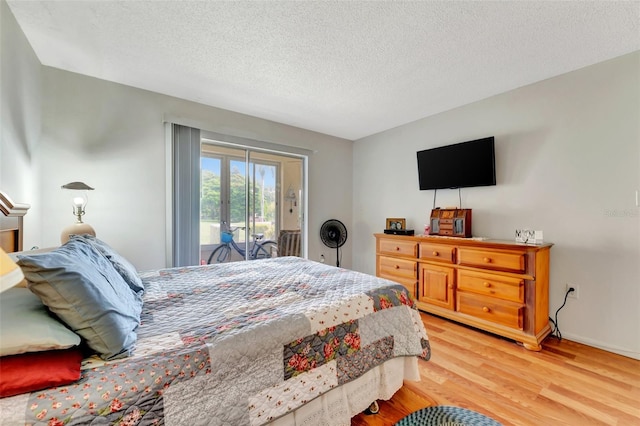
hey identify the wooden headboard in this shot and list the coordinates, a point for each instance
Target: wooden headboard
(11, 231)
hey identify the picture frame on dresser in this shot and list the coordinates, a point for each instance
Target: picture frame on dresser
(396, 223)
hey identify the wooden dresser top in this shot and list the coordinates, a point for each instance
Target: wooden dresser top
(458, 241)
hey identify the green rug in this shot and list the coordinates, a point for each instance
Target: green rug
(443, 415)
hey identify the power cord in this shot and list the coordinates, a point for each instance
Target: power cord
(555, 331)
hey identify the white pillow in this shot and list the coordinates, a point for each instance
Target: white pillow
(27, 326)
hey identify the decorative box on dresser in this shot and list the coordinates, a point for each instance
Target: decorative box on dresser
(498, 286)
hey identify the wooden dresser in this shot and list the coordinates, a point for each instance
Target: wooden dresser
(498, 286)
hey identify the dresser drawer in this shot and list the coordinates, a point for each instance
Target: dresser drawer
(503, 287)
(439, 252)
(399, 248)
(491, 309)
(391, 267)
(493, 259)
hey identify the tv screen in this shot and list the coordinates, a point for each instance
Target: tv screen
(459, 165)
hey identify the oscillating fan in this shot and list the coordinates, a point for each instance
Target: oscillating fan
(334, 234)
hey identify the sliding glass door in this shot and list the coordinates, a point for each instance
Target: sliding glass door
(241, 198)
(220, 183)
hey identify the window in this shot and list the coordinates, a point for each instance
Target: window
(221, 183)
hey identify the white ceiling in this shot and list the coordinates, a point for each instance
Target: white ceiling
(344, 68)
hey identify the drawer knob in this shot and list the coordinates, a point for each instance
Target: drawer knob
(486, 309)
(397, 248)
(435, 253)
(397, 266)
(487, 260)
(487, 285)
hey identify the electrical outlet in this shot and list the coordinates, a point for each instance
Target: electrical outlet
(574, 293)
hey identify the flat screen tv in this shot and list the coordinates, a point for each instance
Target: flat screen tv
(459, 165)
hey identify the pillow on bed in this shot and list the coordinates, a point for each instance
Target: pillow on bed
(84, 290)
(122, 265)
(27, 326)
(38, 370)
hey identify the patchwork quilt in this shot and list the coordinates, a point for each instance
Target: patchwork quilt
(242, 343)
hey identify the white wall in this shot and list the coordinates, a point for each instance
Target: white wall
(568, 163)
(112, 137)
(20, 107)
(291, 179)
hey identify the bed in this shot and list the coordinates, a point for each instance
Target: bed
(11, 223)
(278, 341)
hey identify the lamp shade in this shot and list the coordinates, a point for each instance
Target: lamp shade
(10, 272)
(78, 186)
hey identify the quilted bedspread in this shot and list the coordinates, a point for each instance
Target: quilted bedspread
(237, 344)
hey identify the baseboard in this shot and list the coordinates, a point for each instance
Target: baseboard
(596, 344)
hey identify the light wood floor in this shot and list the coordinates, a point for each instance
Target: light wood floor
(566, 383)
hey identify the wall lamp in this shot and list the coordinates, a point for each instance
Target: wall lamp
(291, 198)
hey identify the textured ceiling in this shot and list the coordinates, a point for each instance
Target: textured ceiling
(348, 69)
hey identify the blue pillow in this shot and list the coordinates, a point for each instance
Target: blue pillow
(81, 286)
(122, 265)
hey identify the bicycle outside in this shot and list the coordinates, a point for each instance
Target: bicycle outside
(259, 249)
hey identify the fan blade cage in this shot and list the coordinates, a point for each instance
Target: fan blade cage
(333, 233)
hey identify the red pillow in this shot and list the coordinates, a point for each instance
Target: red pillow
(33, 371)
